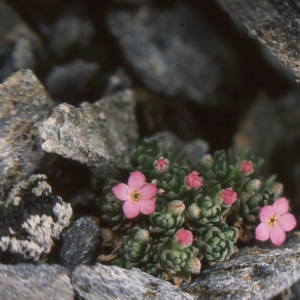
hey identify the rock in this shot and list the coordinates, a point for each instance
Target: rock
(156, 113)
(99, 135)
(24, 105)
(260, 130)
(80, 243)
(160, 44)
(167, 140)
(119, 80)
(32, 219)
(195, 150)
(275, 24)
(261, 271)
(269, 129)
(35, 282)
(71, 32)
(20, 47)
(111, 282)
(71, 81)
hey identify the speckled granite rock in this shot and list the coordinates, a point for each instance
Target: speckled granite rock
(111, 282)
(35, 282)
(24, 105)
(99, 135)
(261, 271)
(276, 24)
(32, 219)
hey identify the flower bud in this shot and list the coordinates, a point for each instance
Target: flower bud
(161, 164)
(193, 180)
(184, 238)
(228, 196)
(193, 265)
(247, 167)
(175, 207)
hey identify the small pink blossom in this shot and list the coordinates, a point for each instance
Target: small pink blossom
(193, 180)
(138, 196)
(162, 164)
(275, 221)
(247, 167)
(184, 237)
(228, 196)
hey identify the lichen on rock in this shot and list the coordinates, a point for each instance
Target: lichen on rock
(32, 218)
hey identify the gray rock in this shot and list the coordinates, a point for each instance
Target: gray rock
(72, 80)
(111, 282)
(35, 282)
(160, 44)
(167, 140)
(32, 219)
(195, 150)
(24, 105)
(261, 271)
(260, 130)
(19, 45)
(99, 135)
(271, 125)
(71, 32)
(80, 243)
(119, 80)
(276, 24)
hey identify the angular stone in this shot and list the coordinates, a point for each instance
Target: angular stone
(111, 282)
(35, 282)
(99, 135)
(80, 243)
(32, 219)
(276, 24)
(160, 44)
(261, 271)
(24, 105)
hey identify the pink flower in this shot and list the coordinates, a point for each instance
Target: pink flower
(161, 164)
(247, 167)
(228, 196)
(184, 237)
(193, 180)
(275, 220)
(138, 196)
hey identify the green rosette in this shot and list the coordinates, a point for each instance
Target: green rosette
(217, 243)
(136, 247)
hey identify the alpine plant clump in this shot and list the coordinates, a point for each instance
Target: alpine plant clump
(168, 219)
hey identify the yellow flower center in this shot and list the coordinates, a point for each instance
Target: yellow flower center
(272, 220)
(135, 196)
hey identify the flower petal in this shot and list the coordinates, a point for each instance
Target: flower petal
(262, 232)
(148, 191)
(136, 180)
(147, 207)
(266, 212)
(287, 222)
(277, 235)
(280, 206)
(121, 191)
(131, 209)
